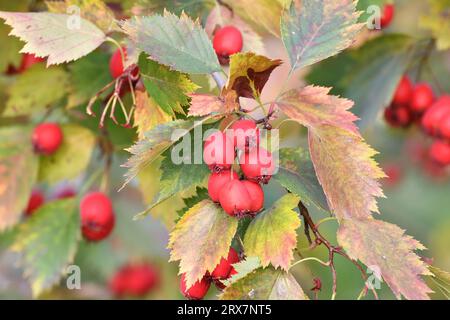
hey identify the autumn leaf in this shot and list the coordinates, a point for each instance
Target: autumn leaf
(342, 160)
(47, 243)
(315, 30)
(168, 88)
(201, 194)
(193, 8)
(52, 35)
(272, 236)
(265, 284)
(95, 11)
(249, 71)
(18, 173)
(387, 251)
(147, 114)
(177, 42)
(200, 239)
(242, 269)
(205, 104)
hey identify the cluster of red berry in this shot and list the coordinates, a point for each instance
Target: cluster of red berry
(417, 104)
(134, 280)
(97, 214)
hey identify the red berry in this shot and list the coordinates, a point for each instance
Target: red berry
(227, 41)
(134, 280)
(422, 98)
(245, 134)
(47, 137)
(387, 15)
(433, 117)
(223, 269)
(440, 152)
(36, 200)
(257, 165)
(216, 182)
(97, 216)
(28, 60)
(404, 92)
(398, 116)
(197, 291)
(256, 195)
(444, 126)
(116, 63)
(218, 151)
(234, 198)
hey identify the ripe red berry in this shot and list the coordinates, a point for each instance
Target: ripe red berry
(245, 134)
(433, 117)
(440, 152)
(387, 15)
(422, 98)
(256, 195)
(134, 280)
(227, 41)
(47, 137)
(116, 63)
(218, 151)
(28, 60)
(404, 92)
(398, 116)
(257, 165)
(197, 291)
(217, 180)
(234, 199)
(97, 216)
(36, 200)
(223, 269)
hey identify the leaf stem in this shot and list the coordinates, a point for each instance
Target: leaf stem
(219, 80)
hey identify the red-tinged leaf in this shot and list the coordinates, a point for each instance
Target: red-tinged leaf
(53, 35)
(204, 104)
(249, 71)
(386, 250)
(200, 239)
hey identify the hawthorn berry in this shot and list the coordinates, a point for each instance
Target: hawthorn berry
(404, 92)
(235, 199)
(422, 98)
(227, 41)
(257, 165)
(28, 60)
(398, 116)
(197, 291)
(223, 269)
(47, 137)
(433, 118)
(256, 195)
(440, 152)
(97, 216)
(245, 134)
(217, 180)
(116, 63)
(387, 15)
(36, 200)
(134, 280)
(218, 151)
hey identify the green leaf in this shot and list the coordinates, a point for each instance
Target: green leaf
(36, 89)
(88, 75)
(193, 8)
(243, 268)
(168, 88)
(364, 5)
(179, 43)
(368, 75)
(315, 30)
(47, 242)
(57, 36)
(265, 284)
(200, 239)
(437, 20)
(71, 158)
(296, 174)
(10, 49)
(389, 253)
(272, 236)
(200, 194)
(18, 173)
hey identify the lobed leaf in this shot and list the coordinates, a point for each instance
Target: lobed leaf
(177, 42)
(205, 104)
(200, 239)
(69, 161)
(18, 173)
(265, 284)
(315, 30)
(242, 269)
(388, 252)
(55, 35)
(272, 236)
(193, 8)
(200, 194)
(47, 242)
